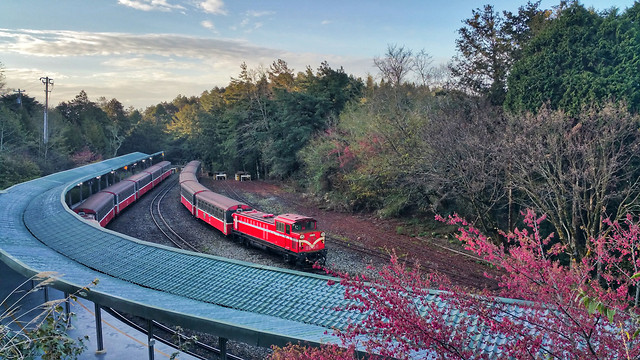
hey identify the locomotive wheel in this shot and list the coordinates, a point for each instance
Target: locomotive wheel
(322, 261)
(287, 258)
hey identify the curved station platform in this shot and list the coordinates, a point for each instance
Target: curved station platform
(253, 304)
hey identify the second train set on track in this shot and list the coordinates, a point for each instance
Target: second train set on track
(294, 236)
(106, 204)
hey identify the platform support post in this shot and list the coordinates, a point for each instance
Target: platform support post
(46, 294)
(67, 309)
(222, 345)
(150, 339)
(100, 340)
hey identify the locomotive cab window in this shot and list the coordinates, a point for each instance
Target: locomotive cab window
(304, 226)
(280, 226)
(288, 229)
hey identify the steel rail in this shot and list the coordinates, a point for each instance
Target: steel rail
(162, 224)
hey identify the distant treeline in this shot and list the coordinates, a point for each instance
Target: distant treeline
(537, 109)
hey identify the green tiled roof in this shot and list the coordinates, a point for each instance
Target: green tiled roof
(255, 304)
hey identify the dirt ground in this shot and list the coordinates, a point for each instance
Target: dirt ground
(434, 254)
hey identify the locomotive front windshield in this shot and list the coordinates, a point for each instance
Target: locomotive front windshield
(304, 226)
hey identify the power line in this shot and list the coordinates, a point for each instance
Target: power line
(46, 81)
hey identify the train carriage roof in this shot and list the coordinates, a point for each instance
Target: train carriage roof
(187, 176)
(139, 176)
(153, 169)
(194, 164)
(117, 188)
(96, 202)
(190, 170)
(163, 164)
(194, 186)
(158, 167)
(220, 201)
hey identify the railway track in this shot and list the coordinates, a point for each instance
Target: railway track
(155, 211)
(234, 194)
(162, 224)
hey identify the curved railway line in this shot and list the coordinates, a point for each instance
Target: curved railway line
(165, 333)
(158, 218)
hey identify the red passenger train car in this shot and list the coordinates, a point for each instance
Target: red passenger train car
(142, 182)
(104, 205)
(188, 191)
(159, 172)
(218, 210)
(124, 194)
(296, 237)
(100, 207)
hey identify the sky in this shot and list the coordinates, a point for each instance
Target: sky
(143, 52)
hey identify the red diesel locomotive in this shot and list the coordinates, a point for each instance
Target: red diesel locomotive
(104, 205)
(293, 236)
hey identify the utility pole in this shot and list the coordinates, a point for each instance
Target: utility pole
(19, 96)
(46, 81)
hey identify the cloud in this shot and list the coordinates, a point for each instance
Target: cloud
(326, 22)
(139, 69)
(254, 13)
(213, 7)
(150, 5)
(142, 63)
(248, 23)
(208, 24)
(64, 43)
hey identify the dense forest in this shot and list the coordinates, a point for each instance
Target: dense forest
(538, 109)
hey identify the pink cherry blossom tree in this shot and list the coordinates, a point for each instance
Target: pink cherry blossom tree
(548, 305)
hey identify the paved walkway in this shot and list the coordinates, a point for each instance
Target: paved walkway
(120, 341)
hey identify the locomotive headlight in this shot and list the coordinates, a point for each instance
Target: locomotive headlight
(301, 237)
(322, 234)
